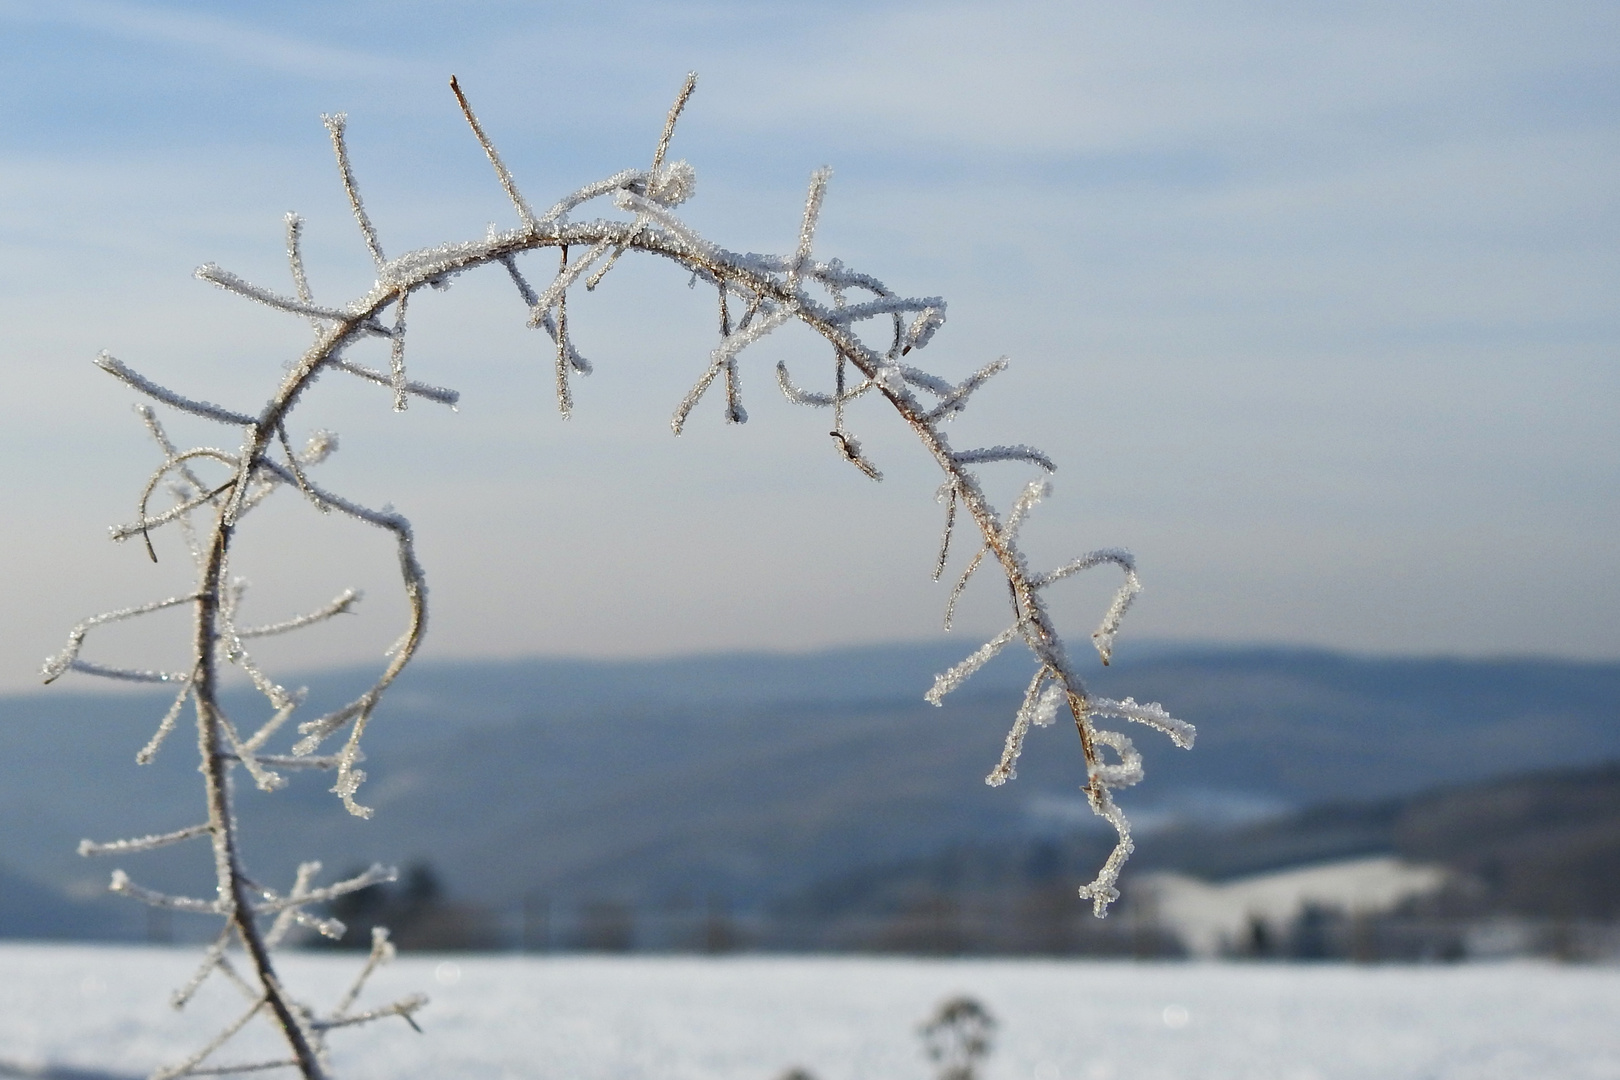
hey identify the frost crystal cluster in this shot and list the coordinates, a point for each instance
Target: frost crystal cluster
(211, 491)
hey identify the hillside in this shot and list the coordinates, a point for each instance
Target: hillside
(1543, 846)
(754, 777)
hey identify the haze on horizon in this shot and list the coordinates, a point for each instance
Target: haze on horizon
(1315, 310)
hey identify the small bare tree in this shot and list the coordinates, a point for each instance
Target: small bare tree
(211, 491)
(958, 1037)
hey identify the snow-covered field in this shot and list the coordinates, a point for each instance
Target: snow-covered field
(101, 1009)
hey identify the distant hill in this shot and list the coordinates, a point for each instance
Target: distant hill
(41, 911)
(753, 777)
(1541, 845)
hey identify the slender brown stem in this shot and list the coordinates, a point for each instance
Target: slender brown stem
(409, 274)
(234, 888)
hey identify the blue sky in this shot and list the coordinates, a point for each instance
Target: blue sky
(1314, 305)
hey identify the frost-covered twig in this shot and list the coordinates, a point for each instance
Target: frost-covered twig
(141, 843)
(822, 296)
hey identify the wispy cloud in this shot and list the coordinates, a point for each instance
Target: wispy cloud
(208, 35)
(1350, 267)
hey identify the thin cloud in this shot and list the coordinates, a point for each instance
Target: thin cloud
(209, 36)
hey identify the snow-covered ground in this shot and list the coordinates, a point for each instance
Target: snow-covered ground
(750, 1018)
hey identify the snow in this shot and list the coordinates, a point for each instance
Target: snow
(1207, 917)
(752, 1018)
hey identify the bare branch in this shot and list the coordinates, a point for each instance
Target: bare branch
(342, 604)
(146, 753)
(382, 951)
(961, 582)
(956, 400)
(723, 354)
(188, 1067)
(956, 676)
(1152, 714)
(376, 874)
(56, 665)
(143, 843)
(422, 390)
(946, 495)
(501, 171)
(396, 353)
(335, 126)
(1038, 708)
(669, 122)
(1005, 453)
(124, 887)
(850, 447)
(117, 368)
(289, 917)
(404, 1008)
(807, 228)
(228, 281)
(775, 290)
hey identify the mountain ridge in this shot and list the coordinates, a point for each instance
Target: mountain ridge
(753, 775)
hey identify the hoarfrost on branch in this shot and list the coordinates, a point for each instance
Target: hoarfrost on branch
(756, 295)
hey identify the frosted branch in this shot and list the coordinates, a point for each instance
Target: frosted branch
(143, 843)
(1027, 501)
(946, 495)
(961, 582)
(154, 427)
(1129, 769)
(85, 667)
(956, 400)
(213, 960)
(558, 214)
(810, 398)
(889, 305)
(956, 676)
(404, 1008)
(396, 354)
(298, 761)
(234, 1070)
(1152, 714)
(188, 1067)
(335, 126)
(1005, 453)
(850, 447)
(675, 110)
(564, 281)
(807, 228)
(56, 665)
(146, 753)
(228, 281)
(794, 394)
(208, 411)
(295, 260)
(121, 885)
(421, 390)
(1103, 637)
(775, 289)
(1102, 891)
(724, 353)
(503, 174)
(376, 874)
(292, 916)
(1037, 703)
(922, 328)
(382, 951)
(677, 229)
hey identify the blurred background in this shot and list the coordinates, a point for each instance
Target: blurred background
(1313, 308)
